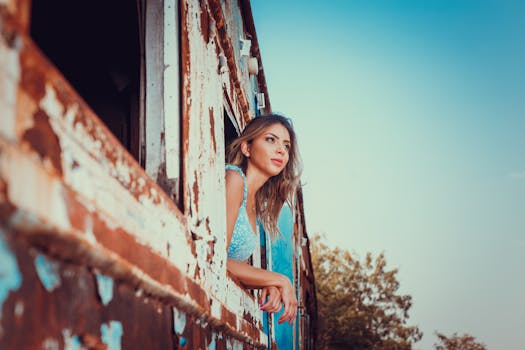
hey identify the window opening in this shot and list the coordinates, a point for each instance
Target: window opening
(95, 45)
(231, 130)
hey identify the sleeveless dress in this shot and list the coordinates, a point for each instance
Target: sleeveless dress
(243, 240)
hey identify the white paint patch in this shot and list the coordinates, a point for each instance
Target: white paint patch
(50, 344)
(71, 342)
(31, 188)
(216, 309)
(9, 80)
(19, 308)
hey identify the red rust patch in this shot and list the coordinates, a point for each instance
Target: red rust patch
(43, 140)
(125, 245)
(228, 317)
(198, 294)
(32, 80)
(205, 22)
(77, 213)
(196, 192)
(212, 130)
(6, 208)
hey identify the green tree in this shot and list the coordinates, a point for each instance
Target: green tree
(457, 342)
(359, 306)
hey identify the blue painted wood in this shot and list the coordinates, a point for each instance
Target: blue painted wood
(282, 262)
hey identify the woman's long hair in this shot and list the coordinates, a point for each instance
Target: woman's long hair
(278, 189)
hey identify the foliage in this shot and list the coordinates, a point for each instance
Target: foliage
(456, 342)
(358, 304)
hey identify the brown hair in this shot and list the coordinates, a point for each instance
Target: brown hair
(278, 189)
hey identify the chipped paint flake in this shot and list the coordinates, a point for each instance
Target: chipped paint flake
(19, 308)
(71, 342)
(48, 272)
(9, 79)
(179, 321)
(50, 103)
(10, 277)
(182, 341)
(112, 334)
(50, 344)
(32, 189)
(105, 288)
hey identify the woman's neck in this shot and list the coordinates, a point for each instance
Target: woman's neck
(255, 180)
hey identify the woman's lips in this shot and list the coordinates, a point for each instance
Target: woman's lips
(277, 162)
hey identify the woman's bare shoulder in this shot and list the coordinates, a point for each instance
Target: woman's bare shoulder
(234, 185)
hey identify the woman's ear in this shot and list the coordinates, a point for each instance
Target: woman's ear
(245, 149)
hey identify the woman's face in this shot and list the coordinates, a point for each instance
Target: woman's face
(269, 152)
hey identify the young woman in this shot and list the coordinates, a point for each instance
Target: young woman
(261, 175)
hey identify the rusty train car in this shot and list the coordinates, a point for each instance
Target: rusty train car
(114, 117)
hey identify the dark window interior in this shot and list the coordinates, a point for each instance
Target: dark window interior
(95, 44)
(230, 132)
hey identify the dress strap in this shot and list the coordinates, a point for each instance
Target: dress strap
(239, 170)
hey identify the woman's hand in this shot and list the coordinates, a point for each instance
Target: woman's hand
(274, 299)
(254, 277)
(289, 301)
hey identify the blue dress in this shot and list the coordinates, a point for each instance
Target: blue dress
(243, 240)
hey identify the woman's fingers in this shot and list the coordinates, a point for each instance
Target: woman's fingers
(263, 297)
(273, 304)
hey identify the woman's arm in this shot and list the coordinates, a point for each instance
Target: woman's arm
(259, 278)
(234, 195)
(249, 275)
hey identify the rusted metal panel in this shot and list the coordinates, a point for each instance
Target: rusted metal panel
(61, 305)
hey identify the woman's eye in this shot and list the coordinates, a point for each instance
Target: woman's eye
(287, 147)
(270, 139)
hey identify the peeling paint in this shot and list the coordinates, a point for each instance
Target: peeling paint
(112, 334)
(71, 342)
(39, 194)
(105, 288)
(10, 277)
(48, 272)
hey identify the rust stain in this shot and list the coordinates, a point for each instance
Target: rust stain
(205, 22)
(32, 80)
(212, 130)
(6, 208)
(228, 317)
(186, 99)
(198, 294)
(44, 141)
(76, 212)
(127, 247)
(195, 188)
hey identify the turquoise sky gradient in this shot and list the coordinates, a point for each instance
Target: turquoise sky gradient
(411, 122)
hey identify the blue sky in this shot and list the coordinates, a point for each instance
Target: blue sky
(411, 121)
